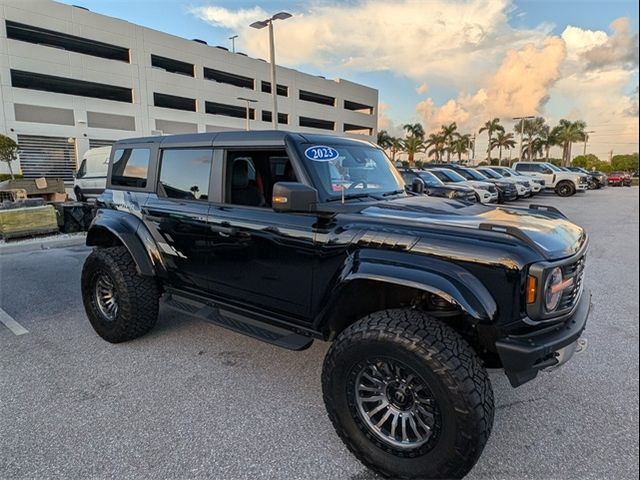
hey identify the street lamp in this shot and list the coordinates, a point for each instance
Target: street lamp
(586, 139)
(272, 59)
(248, 100)
(233, 43)
(522, 119)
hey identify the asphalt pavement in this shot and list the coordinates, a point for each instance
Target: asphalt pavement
(192, 400)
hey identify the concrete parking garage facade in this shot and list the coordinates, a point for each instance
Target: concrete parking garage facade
(71, 80)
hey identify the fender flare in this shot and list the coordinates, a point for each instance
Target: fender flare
(446, 279)
(132, 234)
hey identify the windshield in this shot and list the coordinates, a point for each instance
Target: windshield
(430, 179)
(351, 170)
(491, 173)
(448, 176)
(513, 172)
(553, 167)
(475, 175)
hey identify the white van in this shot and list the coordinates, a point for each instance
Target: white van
(91, 178)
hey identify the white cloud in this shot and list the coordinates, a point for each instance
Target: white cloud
(422, 89)
(232, 19)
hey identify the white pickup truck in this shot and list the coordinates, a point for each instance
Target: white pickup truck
(563, 183)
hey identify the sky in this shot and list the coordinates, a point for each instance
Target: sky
(439, 61)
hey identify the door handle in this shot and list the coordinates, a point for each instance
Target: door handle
(224, 231)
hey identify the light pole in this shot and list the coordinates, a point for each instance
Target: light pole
(586, 139)
(233, 43)
(522, 119)
(272, 59)
(247, 111)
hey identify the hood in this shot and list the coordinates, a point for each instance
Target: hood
(480, 184)
(553, 234)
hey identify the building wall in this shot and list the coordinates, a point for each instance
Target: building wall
(80, 118)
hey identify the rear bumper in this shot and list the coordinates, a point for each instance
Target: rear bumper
(523, 356)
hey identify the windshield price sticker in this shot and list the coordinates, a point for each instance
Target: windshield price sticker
(321, 153)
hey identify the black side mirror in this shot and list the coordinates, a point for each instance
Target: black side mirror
(294, 197)
(417, 186)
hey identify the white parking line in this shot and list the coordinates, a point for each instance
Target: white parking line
(11, 324)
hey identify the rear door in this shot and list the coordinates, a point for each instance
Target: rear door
(177, 215)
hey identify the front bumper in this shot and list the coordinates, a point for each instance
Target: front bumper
(488, 197)
(582, 186)
(523, 356)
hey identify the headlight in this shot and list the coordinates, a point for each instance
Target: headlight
(553, 289)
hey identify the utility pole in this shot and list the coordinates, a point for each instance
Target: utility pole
(247, 110)
(473, 150)
(586, 139)
(233, 43)
(522, 119)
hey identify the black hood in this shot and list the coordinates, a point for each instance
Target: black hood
(553, 234)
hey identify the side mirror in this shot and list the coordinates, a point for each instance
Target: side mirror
(294, 197)
(547, 171)
(417, 186)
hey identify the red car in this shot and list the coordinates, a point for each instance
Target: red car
(619, 179)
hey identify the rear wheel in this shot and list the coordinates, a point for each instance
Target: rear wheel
(120, 303)
(565, 189)
(408, 396)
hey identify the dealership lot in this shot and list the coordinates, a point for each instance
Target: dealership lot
(194, 400)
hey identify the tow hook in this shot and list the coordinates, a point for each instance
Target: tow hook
(563, 355)
(581, 346)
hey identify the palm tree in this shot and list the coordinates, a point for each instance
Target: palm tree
(502, 140)
(534, 149)
(460, 144)
(412, 145)
(491, 126)
(436, 142)
(448, 133)
(566, 133)
(531, 128)
(384, 139)
(395, 146)
(547, 140)
(414, 130)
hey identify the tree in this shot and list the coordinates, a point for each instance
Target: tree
(414, 130)
(8, 152)
(567, 133)
(395, 147)
(448, 133)
(502, 140)
(460, 145)
(534, 149)
(530, 128)
(491, 127)
(412, 145)
(547, 140)
(384, 139)
(436, 143)
(626, 163)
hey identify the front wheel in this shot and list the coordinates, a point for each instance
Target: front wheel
(120, 303)
(408, 396)
(565, 189)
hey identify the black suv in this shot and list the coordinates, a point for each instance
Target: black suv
(435, 187)
(290, 238)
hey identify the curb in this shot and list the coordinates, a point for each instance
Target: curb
(42, 244)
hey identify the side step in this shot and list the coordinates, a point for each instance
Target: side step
(239, 323)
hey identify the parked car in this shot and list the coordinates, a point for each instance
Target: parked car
(434, 187)
(537, 184)
(91, 178)
(597, 179)
(565, 184)
(507, 191)
(619, 179)
(486, 192)
(417, 295)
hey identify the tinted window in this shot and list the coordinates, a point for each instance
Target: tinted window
(184, 173)
(523, 167)
(430, 179)
(82, 171)
(130, 166)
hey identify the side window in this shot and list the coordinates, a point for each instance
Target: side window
(408, 177)
(130, 167)
(537, 168)
(184, 173)
(251, 174)
(523, 167)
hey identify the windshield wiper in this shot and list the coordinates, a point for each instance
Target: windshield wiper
(351, 196)
(394, 192)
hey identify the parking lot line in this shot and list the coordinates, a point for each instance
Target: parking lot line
(11, 324)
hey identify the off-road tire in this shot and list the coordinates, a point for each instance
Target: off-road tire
(565, 189)
(451, 369)
(138, 296)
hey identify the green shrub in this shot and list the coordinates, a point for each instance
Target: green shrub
(6, 176)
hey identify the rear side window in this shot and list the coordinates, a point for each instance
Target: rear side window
(184, 173)
(82, 171)
(130, 167)
(523, 167)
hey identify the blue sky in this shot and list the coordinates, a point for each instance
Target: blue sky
(454, 89)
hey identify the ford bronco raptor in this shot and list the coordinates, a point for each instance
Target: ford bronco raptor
(291, 237)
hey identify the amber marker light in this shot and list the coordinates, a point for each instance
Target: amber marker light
(280, 200)
(532, 289)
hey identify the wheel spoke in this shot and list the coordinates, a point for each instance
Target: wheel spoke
(384, 418)
(414, 427)
(405, 438)
(379, 408)
(394, 425)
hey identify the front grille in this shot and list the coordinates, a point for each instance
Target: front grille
(573, 270)
(492, 189)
